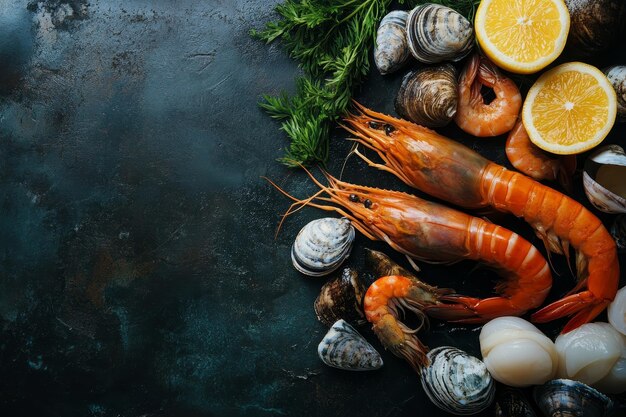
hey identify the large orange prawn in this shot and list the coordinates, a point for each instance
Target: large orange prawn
(451, 171)
(432, 232)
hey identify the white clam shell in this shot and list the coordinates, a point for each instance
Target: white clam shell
(588, 353)
(344, 348)
(603, 179)
(457, 382)
(617, 76)
(391, 51)
(322, 245)
(616, 311)
(516, 353)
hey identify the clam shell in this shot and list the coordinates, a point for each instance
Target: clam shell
(429, 96)
(511, 402)
(391, 51)
(603, 179)
(617, 76)
(564, 397)
(341, 298)
(344, 348)
(457, 382)
(437, 33)
(322, 245)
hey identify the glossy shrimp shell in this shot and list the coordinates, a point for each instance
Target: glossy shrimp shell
(433, 232)
(450, 171)
(473, 114)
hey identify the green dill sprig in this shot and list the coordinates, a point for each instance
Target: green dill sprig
(331, 40)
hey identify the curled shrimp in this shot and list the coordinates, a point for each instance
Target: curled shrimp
(432, 232)
(452, 172)
(535, 162)
(476, 117)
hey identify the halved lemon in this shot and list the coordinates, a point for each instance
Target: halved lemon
(570, 109)
(522, 36)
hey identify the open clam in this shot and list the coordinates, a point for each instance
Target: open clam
(344, 348)
(322, 245)
(391, 51)
(457, 382)
(603, 179)
(437, 33)
(341, 298)
(564, 397)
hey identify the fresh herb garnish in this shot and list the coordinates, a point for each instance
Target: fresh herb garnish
(332, 41)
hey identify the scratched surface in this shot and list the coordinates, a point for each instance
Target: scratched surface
(139, 273)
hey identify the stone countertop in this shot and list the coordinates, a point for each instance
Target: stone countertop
(140, 274)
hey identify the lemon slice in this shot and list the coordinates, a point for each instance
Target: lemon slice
(570, 109)
(522, 36)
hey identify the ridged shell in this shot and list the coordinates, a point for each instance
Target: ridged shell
(617, 76)
(457, 382)
(428, 96)
(344, 348)
(322, 245)
(391, 50)
(603, 176)
(511, 402)
(341, 298)
(564, 397)
(437, 33)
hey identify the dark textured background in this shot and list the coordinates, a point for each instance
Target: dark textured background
(139, 273)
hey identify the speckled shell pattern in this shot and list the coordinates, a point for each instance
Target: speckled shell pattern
(322, 245)
(341, 298)
(344, 348)
(457, 382)
(437, 33)
(564, 397)
(429, 96)
(391, 51)
(617, 76)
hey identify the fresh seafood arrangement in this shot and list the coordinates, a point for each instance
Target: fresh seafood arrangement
(574, 372)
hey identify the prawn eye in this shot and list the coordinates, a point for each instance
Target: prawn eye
(367, 203)
(354, 198)
(389, 129)
(374, 125)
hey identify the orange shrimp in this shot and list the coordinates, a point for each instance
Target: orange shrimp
(476, 117)
(536, 163)
(432, 232)
(451, 171)
(381, 303)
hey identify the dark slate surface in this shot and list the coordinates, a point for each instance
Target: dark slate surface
(139, 273)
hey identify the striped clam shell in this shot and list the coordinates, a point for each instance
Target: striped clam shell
(565, 397)
(457, 382)
(617, 76)
(344, 348)
(391, 50)
(429, 96)
(437, 33)
(322, 245)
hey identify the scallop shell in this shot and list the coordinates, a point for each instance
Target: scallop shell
(603, 179)
(341, 298)
(391, 50)
(429, 96)
(617, 76)
(322, 245)
(564, 397)
(344, 348)
(457, 382)
(437, 33)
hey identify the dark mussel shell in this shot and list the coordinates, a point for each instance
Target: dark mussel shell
(567, 398)
(341, 298)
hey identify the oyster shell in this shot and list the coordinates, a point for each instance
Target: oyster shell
(457, 382)
(603, 179)
(428, 96)
(437, 33)
(341, 298)
(344, 348)
(617, 76)
(322, 245)
(564, 397)
(391, 51)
